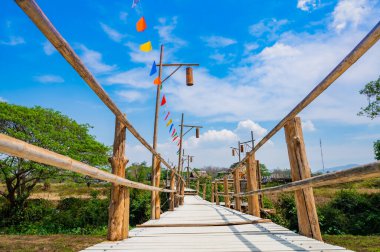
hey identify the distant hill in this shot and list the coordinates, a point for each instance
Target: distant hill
(338, 168)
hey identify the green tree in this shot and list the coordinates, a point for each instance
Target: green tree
(264, 170)
(48, 129)
(372, 91)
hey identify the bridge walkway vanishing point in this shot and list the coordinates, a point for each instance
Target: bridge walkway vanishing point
(199, 225)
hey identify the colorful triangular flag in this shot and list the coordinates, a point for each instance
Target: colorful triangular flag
(154, 69)
(141, 24)
(157, 81)
(171, 127)
(175, 138)
(174, 132)
(166, 117)
(169, 122)
(163, 101)
(146, 47)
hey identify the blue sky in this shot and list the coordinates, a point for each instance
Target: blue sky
(257, 61)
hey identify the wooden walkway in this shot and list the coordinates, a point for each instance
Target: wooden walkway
(190, 237)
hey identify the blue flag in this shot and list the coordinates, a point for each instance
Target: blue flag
(171, 127)
(154, 69)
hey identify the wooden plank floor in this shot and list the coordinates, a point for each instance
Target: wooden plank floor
(247, 237)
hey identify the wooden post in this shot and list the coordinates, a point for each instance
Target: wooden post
(236, 175)
(212, 192)
(306, 211)
(226, 196)
(259, 184)
(118, 221)
(216, 193)
(182, 190)
(204, 191)
(157, 176)
(172, 194)
(197, 186)
(253, 200)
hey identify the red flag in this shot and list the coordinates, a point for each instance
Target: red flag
(175, 138)
(173, 132)
(163, 101)
(166, 117)
(157, 81)
(141, 25)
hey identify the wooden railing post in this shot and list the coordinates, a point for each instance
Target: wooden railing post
(182, 192)
(236, 175)
(172, 194)
(204, 191)
(212, 192)
(157, 176)
(118, 221)
(261, 197)
(226, 196)
(197, 187)
(306, 211)
(253, 200)
(216, 193)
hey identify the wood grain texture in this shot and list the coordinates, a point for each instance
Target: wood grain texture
(226, 196)
(236, 175)
(306, 210)
(253, 200)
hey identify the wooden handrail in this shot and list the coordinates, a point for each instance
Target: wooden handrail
(31, 8)
(21, 149)
(366, 171)
(365, 44)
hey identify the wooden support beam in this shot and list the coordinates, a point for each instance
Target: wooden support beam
(253, 200)
(14, 147)
(236, 175)
(182, 191)
(204, 191)
(212, 192)
(38, 17)
(259, 184)
(216, 193)
(306, 211)
(157, 171)
(226, 196)
(118, 220)
(172, 194)
(197, 189)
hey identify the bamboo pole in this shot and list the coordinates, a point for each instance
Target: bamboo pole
(364, 45)
(34, 12)
(118, 220)
(226, 196)
(14, 147)
(306, 210)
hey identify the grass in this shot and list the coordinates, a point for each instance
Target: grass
(65, 243)
(355, 242)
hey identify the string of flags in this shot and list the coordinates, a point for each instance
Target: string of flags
(141, 26)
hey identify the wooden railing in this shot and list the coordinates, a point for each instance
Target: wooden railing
(300, 170)
(118, 222)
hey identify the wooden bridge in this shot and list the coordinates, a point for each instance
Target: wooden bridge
(193, 223)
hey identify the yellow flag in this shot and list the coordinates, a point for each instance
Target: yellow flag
(170, 122)
(146, 47)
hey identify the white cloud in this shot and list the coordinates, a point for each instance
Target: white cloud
(222, 58)
(249, 47)
(165, 31)
(131, 96)
(112, 33)
(307, 5)
(248, 125)
(267, 27)
(93, 60)
(136, 77)
(13, 41)
(3, 100)
(49, 78)
(218, 41)
(308, 125)
(138, 56)
(49, 49)
(349, 13)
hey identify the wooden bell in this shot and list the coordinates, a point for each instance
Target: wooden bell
(189, 76)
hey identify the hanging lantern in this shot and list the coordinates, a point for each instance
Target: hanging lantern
(233, 152)
(189, 76)
(191, 159)
(241, 148)
(197, 132)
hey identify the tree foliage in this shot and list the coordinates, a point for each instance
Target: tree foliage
(48, 129)
(372, 91)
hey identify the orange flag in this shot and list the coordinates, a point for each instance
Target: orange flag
(157, 81)
(141, 25)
